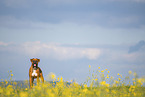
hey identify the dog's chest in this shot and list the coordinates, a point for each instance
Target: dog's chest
(34, 73)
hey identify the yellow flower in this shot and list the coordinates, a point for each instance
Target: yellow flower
(89, 66)
(108, 71)
(117, 82)
(23, 94)
(130, 72)
(6, 82)
(107, 76)
(107, 90)
(96, 79)
(119, 79)
(134, 94)
(107, 85)
(85, 85)
(53, 76)
(98, 67)
(98, 93)
(103, 83)
(1, 91)
(58, 78)
(61, 79)
(15, 83)
(118, 74)
(9, 89)
(102, 71)
(113, 91)
(11, 74)
(85, 90)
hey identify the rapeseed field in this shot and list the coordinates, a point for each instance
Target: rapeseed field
(98, 84)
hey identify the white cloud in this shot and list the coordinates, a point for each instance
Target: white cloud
(55, 51)
(60, 52)
(3, 44)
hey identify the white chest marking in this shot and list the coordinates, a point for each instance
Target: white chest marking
(34, 73)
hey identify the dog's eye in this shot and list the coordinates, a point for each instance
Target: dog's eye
(34, 61)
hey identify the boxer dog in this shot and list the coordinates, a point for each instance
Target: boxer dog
(35, 72)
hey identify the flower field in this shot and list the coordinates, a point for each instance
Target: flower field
(98, 84)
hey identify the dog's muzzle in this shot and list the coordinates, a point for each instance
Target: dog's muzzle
(35, 66)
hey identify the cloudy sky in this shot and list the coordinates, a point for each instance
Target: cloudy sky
(69, 35)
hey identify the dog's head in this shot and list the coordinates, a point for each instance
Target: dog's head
(35, 62)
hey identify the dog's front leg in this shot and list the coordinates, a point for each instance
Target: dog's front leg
(30, 82)
(42, 78)
(38, 75)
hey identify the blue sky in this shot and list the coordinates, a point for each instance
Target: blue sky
(69, 35)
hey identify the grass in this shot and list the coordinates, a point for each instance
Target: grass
(98, 84)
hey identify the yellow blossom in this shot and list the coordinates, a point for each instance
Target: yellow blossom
(102, 71)
(11, 74)
(1, 91)
(96, 79)
(89, 66)
(119, 79)
(23, 94)
(85, 85)
(117, 82)
(113, 91)
(58, 78)
(108, 71)
(6, 82)
(103, 82)
(130, 72)
(61, 79)
(15, 83)
(107, 85)
(98, 67)
(118, 74)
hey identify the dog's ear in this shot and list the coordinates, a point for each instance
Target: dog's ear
(31, 59)
(38, 60)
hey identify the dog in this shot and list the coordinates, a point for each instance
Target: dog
(35, 72)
